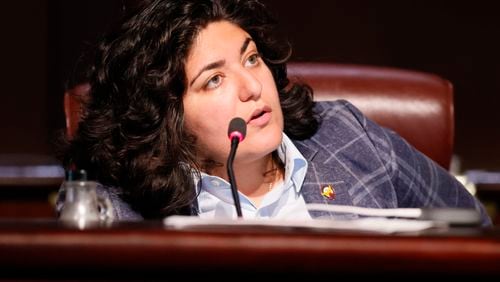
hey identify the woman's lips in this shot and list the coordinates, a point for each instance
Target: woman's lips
(262, 118)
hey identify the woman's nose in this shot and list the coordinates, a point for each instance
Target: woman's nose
(251, 87)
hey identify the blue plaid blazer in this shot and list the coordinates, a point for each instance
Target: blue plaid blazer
(366, 164)
(372, 166)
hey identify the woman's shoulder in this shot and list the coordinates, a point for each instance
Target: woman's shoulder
(337, 109)
(122, 210)
(344, 127)
(340, 118)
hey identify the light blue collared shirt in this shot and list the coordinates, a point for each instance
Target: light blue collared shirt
(284, 201)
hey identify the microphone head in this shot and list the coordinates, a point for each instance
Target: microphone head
(237, 128)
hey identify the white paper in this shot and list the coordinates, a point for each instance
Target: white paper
(371, 224)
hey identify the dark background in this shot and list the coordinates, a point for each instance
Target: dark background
(42, 41)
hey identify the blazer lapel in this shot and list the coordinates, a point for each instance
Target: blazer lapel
(323, 185)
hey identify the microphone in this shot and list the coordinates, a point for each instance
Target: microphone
(236, 133)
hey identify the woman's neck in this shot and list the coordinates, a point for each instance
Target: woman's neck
(255, 178)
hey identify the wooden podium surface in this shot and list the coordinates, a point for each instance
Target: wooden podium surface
(143, 250)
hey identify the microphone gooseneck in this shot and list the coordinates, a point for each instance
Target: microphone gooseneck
(236, 133)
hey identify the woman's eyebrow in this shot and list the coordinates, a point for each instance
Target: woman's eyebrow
(210, 66)
(220, 63)
(245, 45)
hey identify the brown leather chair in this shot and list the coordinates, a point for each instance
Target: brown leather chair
(419, 106)
(73, 101)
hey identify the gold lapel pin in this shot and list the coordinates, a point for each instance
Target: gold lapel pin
(328, 192)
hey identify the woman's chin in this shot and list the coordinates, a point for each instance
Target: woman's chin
(259, 146)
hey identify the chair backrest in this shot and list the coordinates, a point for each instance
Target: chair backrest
(419, 106)
(74, 98)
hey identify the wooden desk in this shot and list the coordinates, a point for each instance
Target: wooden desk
(46, 249)
(28, 185)
(489, 194)
(28, 200)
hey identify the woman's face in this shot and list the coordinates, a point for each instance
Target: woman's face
(226, 78)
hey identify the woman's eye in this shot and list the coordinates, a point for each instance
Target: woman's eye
(214, 82)
(252, 60)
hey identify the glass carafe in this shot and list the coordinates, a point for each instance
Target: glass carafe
(82, 206)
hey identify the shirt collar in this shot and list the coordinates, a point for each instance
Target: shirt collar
(295, 163)
(295, 167)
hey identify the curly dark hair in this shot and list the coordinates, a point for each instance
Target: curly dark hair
(132, 131)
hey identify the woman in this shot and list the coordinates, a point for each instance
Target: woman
(164, 89)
